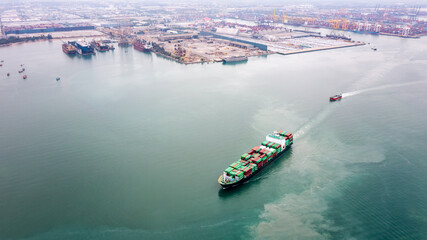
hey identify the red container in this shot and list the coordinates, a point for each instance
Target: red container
(244, 162)
(247, 171)
(255, 148)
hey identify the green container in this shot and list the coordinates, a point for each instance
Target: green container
(229, 169)
(240, 174)
(248, 157)
(236, 164)
(244, 163)
(243, 156)
(253, 167)
(264, 143)
(287, 142)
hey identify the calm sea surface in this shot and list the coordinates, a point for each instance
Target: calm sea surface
(128, 145)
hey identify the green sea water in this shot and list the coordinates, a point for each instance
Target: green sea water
(128, 145)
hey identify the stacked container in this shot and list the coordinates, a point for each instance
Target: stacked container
(259, 156)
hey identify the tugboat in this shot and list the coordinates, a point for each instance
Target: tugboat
(335, 98)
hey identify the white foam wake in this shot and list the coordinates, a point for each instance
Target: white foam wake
(349, 94)
(314, 122)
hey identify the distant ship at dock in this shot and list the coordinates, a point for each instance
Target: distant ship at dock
(142, 45)
(68, 48)
(83, 47)
(101, 46)
(235, 59)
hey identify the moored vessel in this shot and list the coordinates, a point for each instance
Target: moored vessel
(256, 159)
(83, 47)
(68, 48)
(100, 46)
(142, 45)
(235, 59)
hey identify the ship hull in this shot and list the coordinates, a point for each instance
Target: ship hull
(141, 48)
(245, 179)
(68, 51)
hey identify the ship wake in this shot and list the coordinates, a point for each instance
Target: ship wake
(354, 93)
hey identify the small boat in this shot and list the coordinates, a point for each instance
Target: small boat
(1, 65)
(335, 98)
(8, 74)
(374, 48)
(58, 78)
(24, 77)
(20, 71)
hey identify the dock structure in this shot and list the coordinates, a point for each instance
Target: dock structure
(235, 39)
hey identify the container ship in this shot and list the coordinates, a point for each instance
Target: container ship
(256, 159)
(83, 48)
(142, 45)
(68, 48)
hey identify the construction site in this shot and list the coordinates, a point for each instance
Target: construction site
(234, 42)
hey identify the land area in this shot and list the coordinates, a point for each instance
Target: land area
(194, 33)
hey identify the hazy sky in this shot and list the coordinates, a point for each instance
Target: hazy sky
(331, 3)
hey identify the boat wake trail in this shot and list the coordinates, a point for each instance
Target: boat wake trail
(349, 94)
(315, 121)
